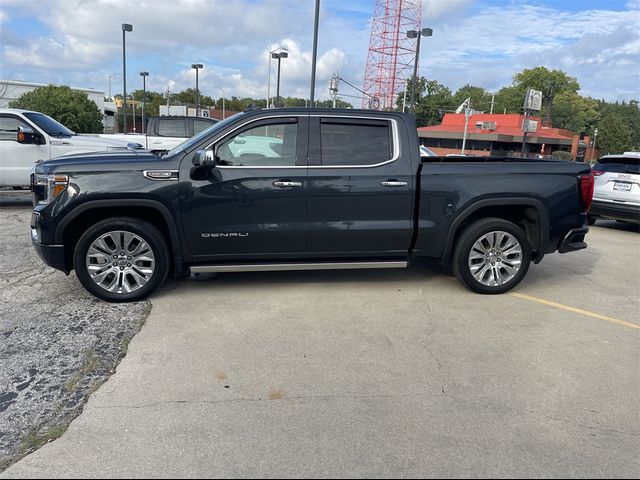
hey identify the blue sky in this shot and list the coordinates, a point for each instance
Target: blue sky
(481, 42)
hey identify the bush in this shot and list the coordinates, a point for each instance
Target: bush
(69, 107)
(562, 155)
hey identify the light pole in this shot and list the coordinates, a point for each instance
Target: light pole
(425, 32)
(197, 66)
(125, 28)
(223, 95)
(269, 81)
(279, 56)
(110, 77)
(144, 76)
(315, 55)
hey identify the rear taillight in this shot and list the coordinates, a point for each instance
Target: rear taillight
(586, 191)
(597, 173)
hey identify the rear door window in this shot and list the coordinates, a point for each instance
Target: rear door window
(355, 142)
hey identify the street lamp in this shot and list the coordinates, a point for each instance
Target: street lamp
(269, 81)
(425, 32)
(110, 77)
(279, 56)
(144, 76)
(197, 66)
(223, 95)
(125, 28)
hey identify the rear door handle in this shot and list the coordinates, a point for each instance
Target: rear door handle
(393, 183)
(285, 184)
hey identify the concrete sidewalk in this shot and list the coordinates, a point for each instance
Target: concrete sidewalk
(370, 374)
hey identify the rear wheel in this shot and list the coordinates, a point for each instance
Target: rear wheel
(491, 256)
(121, 259)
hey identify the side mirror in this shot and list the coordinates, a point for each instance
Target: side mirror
(26, 135)
(204, 158)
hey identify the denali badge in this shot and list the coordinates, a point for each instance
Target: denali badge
(224, 235)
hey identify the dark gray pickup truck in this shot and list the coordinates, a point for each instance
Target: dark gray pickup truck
(302, 189)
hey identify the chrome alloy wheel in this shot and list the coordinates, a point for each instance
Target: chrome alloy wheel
(120, 262)
(495, 258)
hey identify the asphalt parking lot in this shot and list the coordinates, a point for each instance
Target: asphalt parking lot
(398, 373)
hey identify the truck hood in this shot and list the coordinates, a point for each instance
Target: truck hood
(123, 160)
(93, 141)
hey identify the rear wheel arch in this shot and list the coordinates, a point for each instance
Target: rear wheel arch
(530, 214)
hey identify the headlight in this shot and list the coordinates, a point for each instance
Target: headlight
(48, 187)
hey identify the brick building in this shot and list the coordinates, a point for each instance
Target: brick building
(501, 134)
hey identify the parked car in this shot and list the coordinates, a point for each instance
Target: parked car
(164, 133)
(425, 152)
(26, 137)
(339, 189)
(617, 188)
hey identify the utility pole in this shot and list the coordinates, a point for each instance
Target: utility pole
(404, 97)
(333, 89)
(467, 114)
(493, 97)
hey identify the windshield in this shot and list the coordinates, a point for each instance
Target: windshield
(187, 144)
(49, 125)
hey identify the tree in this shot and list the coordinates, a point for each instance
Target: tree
(152, 103)
(574, 112)
(69, 107)
(432, 100)
(188, 97)
(549, 82)
(480, 98)
(615, 133)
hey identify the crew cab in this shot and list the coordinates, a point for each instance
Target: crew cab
(164, 133)
(302, 189)
(26, 137)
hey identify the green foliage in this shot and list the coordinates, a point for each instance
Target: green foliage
(188, 96)
(69, 107)
(574, 112)
(432, 101)
(614, 134)
(562, 155)
(480, 98)
(153, 101)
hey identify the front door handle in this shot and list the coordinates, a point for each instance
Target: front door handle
(393, 183)
(285, 184)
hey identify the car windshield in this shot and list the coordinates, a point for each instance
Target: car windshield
(618, 165)
(49, 125)
(190, 142)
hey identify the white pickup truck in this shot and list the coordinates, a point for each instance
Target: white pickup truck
(165, 133)
(26, 137)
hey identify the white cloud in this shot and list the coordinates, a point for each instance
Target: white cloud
(432, 9)
(472, 43)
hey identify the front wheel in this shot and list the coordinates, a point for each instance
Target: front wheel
(491, 256)
(121, 259)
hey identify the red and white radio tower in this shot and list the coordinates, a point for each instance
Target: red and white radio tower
(391, 53)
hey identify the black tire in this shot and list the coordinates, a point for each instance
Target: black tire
(157, 246)
(591, 220)
(503, 264)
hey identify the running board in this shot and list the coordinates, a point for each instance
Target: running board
(270, 267)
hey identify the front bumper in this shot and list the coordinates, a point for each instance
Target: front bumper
(574, 240)
(52, 255)
(615, 211)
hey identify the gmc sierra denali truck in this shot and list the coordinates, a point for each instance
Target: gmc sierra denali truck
(302, 189)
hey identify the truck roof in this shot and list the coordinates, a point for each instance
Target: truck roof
(16, 110)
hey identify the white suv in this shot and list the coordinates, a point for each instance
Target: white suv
(617, 188)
